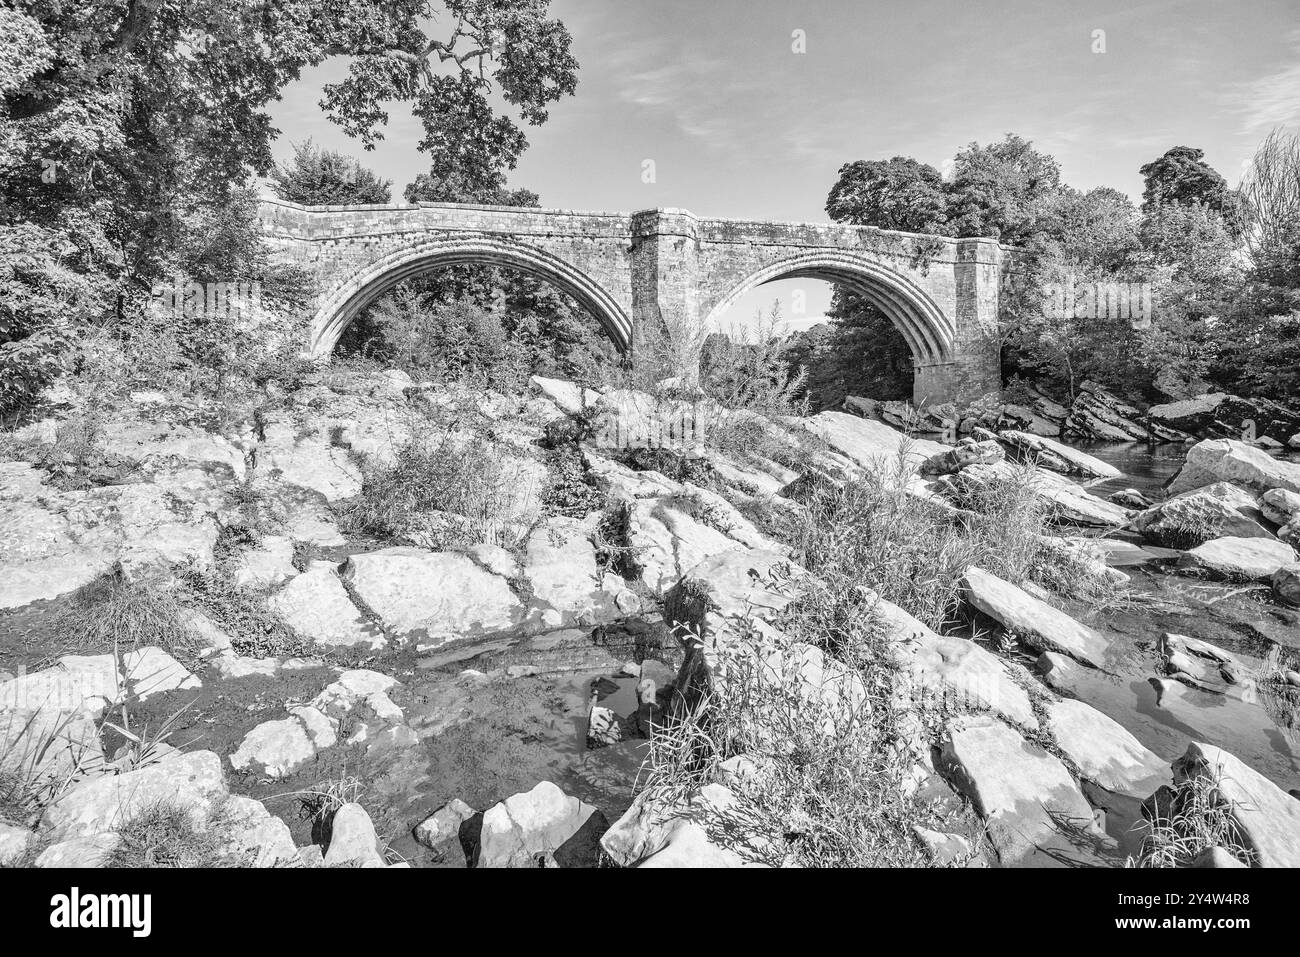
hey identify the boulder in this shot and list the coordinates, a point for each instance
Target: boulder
(309, 461)
(1041, 626)
(1193, 518)
(1280, 506)
(1098, 415)
(964, 454)
(1240, 559)
(544, 820)
(1223, 460)
(191, 780)
(666, 541)
(432, 597)
(1033, 808)
(870, 444)
(1057, 456)
(316, 605)
(79, 852)
(1267, 818)
(440, 831)
(570, 397)
(1219, 415)
(353, 841)
(1294, 441)
(14, 842)
(1286, 584)
(1103, 751)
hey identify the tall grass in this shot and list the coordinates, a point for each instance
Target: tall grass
(830, 782)
(873, 531)
(473, 484)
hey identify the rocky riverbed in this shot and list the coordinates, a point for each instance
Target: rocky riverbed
(456, 694)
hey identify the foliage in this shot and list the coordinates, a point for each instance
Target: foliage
(437, 494)
(748, 368)
(113, 613)
(900, 193)
(165, 834)
(320, 177)
(1181, 176)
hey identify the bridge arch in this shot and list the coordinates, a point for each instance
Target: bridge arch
(345, 300)
(929, 332)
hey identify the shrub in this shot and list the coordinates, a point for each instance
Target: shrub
(451, 492)
(830, 786)
(1187, 819)
(912, 552)
(113, 613)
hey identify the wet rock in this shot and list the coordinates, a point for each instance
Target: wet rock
(1131, 498)
(1240, 559)
(353, 841)
(943, 849)
(1219, 415)
(433, 597)
(1286, 584)
(1294, 441)
(654, 833)
(1104, 752)
(1267, 818)
(544, 820)
(1223, 460)
(316, 605)
(192, 781)
(1039, 624)
(1057, 456)
(1195, 517)
(1034, 810)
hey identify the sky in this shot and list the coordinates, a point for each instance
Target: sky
(740, 124)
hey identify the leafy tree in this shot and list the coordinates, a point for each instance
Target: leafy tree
(318, 177)
(900, 193)
(1183, 177)
(125, 122)
(1000, 190)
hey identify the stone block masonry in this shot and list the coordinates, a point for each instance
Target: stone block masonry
(664, 266)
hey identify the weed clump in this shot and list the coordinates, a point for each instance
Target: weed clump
(437, 495)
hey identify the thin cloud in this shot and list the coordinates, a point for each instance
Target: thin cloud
(1272, 100)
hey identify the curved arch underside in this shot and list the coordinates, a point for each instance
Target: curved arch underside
(343, 303)
(927, 330)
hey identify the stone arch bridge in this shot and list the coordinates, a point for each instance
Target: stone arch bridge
(633, 268)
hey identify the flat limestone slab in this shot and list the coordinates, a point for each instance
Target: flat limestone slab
(1035, 813)
(1106, 753)
(1042, 626)
(1269, 818)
